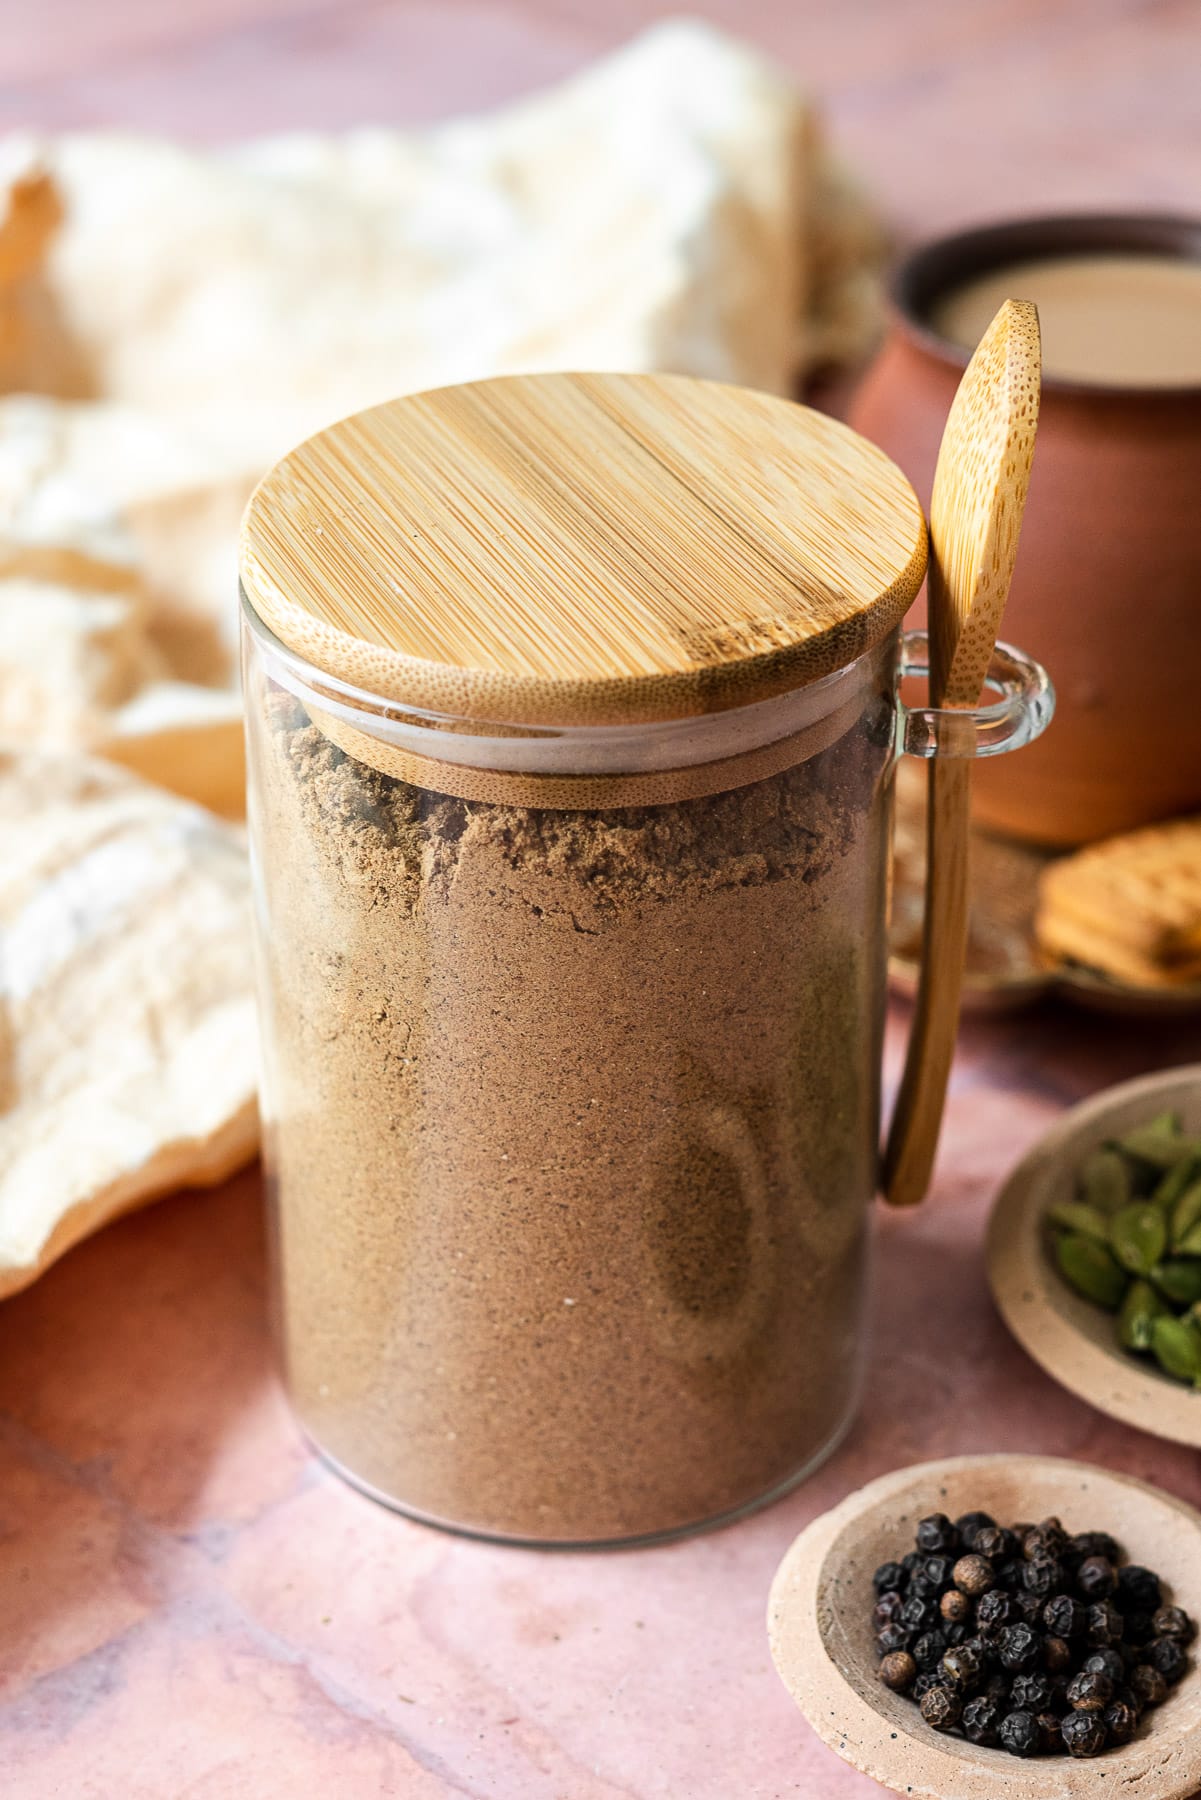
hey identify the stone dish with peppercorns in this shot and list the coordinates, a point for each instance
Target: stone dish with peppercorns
(1041, 1640)
(824, 1636)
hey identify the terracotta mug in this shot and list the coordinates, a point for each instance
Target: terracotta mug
(1106, 592)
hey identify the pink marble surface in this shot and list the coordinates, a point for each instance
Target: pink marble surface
(193, 1609)
(193, 1606)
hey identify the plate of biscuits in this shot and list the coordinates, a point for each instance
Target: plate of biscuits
(1115, 926)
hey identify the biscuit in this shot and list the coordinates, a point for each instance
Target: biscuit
(1130, 906)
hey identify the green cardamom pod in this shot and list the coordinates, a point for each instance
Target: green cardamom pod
(1175, 1182)
(1161, 1149)
(1190, 1243)
(1077, 1215)
(1088, 1267)
(1177, 1347)
(1105, 1180)
(1140, 1309)
(1186, 1212)
(1178, 1280)
(1138, 1237)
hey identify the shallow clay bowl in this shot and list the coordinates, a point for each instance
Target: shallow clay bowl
(1074, 1341)
(819, 1620)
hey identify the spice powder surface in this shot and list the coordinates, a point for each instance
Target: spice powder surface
(572, 1130)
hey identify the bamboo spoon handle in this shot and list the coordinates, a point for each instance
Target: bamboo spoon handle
(976, 509)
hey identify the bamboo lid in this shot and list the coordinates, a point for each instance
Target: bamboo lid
(582, 549)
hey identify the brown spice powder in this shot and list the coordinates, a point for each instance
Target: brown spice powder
(572, 1120)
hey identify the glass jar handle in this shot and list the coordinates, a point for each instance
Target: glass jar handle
(1022, 711)
(952, 737)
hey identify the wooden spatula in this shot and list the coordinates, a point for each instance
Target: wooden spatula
(976, 511)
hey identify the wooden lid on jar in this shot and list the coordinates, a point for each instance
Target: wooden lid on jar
(582, 549)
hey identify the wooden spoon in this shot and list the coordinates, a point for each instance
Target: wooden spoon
(976, 509)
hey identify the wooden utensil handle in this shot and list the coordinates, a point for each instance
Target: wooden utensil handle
(917, 1114)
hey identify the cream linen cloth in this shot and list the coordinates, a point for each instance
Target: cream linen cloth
(172, 320)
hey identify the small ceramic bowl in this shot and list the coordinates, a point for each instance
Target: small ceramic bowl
(822, 1641)
(1104, 593)
(1074, 1341)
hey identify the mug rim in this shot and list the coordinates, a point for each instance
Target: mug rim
(935, 266)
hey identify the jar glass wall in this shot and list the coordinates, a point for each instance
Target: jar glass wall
(571, 1112)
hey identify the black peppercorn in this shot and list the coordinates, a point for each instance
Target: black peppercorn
(1029, 1607)
(1048, 1540)
(1105, 1624)
(1169, 1657)
(918, 1614)
(1096, 1578)
(973, 1575)
(937, 1572)
(997, 1688)
(1093, 1543)
(910, 1561)
(1032, 1693)
(1148, 1684)
(969, 1523)
(892, 1638)
(957, 1633)
(1090, 1691)
(1044, 1576)
(1083, 1733)
(927, 1679)
(889, 1576)
(1126, 1694)
(1173, 1622)
(941, 1708)
(1050, 1734)
(1064, 1617)
(1057, 1655)
(1106, 1662)
(1018, 1647)
(981, 1717)
(995, 1609)
(887, 1609)
(1138, 1589)
(954, 1606)
(1008, 1570)
(1019, 1733)
(937, 1534)
(996, 1543)
(898, 1671)
(1140, 1627)
(1121, 1722)
(929, 1649)
(962, 1668)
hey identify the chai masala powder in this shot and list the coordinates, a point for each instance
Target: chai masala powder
(572, 1125)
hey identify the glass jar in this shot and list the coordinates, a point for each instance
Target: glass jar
(572, 1082)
